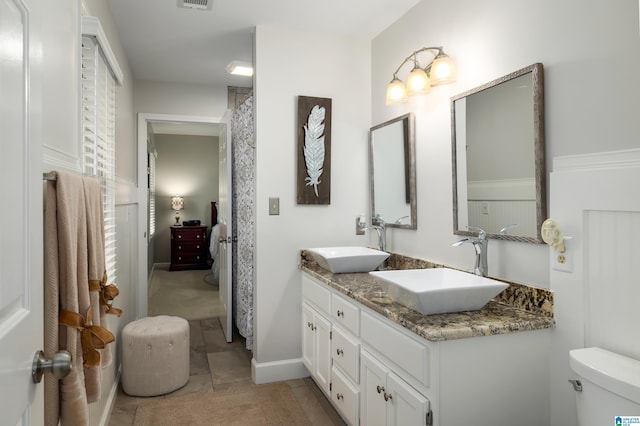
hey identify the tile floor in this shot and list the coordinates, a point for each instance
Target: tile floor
(217, 365)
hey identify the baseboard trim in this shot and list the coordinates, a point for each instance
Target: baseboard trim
(111, 401)
(277, 371)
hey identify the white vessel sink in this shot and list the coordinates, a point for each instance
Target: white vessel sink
(348, 259)
(438, 290)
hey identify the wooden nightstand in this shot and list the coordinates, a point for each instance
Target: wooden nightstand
(188, 247)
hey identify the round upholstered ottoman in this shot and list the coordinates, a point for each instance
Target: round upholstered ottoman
(155, 355)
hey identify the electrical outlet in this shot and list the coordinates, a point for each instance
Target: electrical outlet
(562, 261)
(485, 208)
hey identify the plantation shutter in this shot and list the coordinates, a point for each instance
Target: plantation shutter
(152, 192)
(98, 136)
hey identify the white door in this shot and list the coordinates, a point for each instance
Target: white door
(21, 401)
(226, 228)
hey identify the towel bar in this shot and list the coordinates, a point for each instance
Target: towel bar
(49, 176)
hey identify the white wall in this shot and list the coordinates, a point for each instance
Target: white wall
(180, 99)
(587, 111)
(487, 40)
(290, 64)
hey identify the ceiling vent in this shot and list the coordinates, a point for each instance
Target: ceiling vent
(196, 4)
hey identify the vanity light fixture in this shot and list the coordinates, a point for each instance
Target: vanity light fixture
(439, 71)
(240, 68)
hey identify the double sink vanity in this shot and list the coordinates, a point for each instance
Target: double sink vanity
(368, 345)
(418, 343)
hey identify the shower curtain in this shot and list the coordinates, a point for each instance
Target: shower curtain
(243, 214)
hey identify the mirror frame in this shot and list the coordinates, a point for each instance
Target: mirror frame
(536, 71)
(409, 145)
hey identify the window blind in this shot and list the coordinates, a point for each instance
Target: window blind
(151, 195)
(98, 137)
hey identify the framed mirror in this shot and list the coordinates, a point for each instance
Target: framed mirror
(392, 168)
(499, 178)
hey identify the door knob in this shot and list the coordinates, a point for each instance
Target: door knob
(59, 365)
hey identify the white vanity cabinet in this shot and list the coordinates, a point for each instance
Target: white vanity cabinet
(386, 399)
(376, 372)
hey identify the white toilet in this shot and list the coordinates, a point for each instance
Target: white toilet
(610, 386)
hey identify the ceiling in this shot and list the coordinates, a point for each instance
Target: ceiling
(167, 43)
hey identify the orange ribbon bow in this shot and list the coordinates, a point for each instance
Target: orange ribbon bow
(92, 338)
(107, 294)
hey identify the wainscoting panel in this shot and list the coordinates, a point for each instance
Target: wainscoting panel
(493, 215)
(612, 280)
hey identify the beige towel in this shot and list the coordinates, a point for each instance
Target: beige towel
(71, 225)
(96, 268)
(74, 251)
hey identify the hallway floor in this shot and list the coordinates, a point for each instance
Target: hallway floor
(217, 366)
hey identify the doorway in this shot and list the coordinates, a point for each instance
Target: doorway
(147, 125)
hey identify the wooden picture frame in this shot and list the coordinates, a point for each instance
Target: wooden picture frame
(313, 176)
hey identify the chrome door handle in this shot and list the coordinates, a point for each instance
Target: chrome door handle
(60, 365)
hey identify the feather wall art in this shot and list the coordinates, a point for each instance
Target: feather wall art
(314, 150)
(314, 146)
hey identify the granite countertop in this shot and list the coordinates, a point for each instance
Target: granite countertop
(497, 317)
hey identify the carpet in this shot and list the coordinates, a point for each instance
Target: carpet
(186, 294)
(269, 404)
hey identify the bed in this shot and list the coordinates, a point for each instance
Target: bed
(214, 243)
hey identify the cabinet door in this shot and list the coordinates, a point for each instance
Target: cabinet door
(307, 337)
(322, 370)
(373, 378)
(406, 406)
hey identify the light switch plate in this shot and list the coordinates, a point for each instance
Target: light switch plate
(274, 206)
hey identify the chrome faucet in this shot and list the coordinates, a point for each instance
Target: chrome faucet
(380, 227)
(480, 245)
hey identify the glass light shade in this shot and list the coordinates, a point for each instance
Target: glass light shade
(396, 92)
(442, 70)
(418, 82)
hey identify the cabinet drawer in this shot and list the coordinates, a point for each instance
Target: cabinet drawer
(405, 352)
(345, 313)
(189, 247)
(316, 294)
(188, 258)
(345, 397)
(185, 234)
(346, 354)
